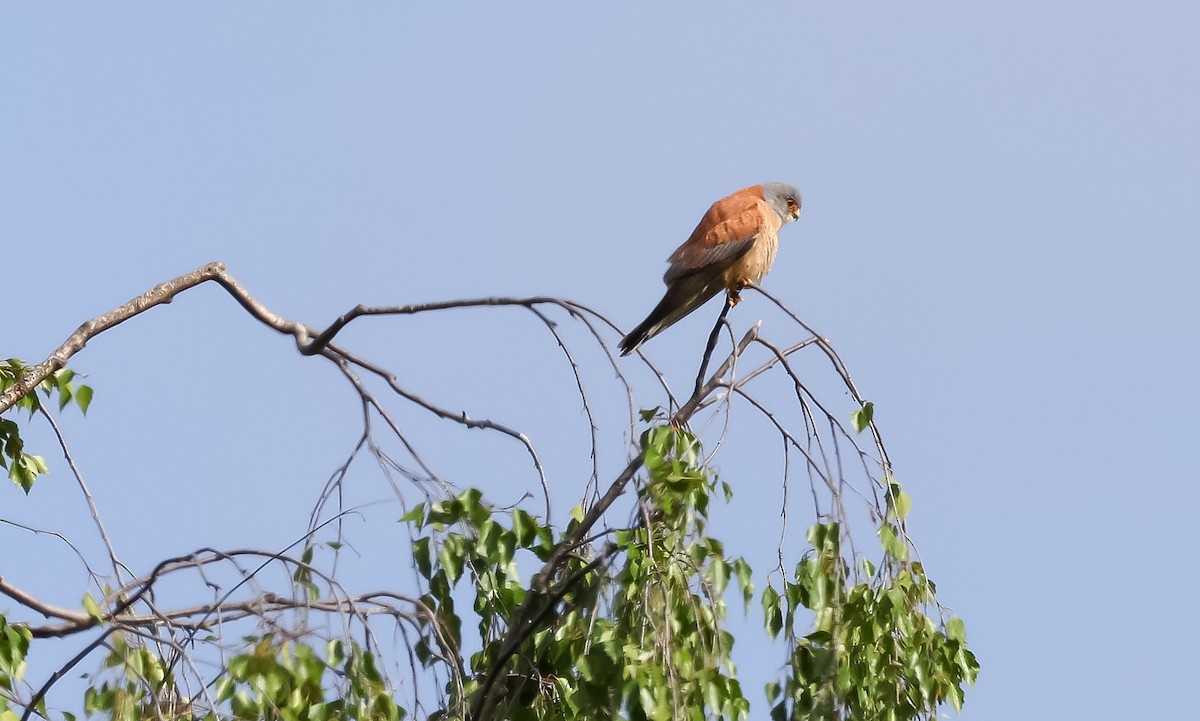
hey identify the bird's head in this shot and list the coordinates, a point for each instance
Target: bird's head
(784, 198)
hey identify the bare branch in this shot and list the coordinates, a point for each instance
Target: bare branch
(162, 293)
(36, 604)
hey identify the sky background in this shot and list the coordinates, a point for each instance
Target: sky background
(998, 236)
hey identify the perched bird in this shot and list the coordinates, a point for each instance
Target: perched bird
(732, 247)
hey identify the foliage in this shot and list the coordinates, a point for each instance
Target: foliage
(272, 680)
(646, 642)
(641, 642)
(14, 646)
(872, 652)
(24, 468)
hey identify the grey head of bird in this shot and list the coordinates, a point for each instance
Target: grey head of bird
(784, 198)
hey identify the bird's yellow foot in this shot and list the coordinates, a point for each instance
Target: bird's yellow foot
(735, 294)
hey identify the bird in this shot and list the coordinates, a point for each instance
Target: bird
(732, 247)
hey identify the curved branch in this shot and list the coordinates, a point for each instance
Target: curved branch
(28, 600)
(841, 369)
(159, 294)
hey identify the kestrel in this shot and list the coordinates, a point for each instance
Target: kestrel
(732, 247)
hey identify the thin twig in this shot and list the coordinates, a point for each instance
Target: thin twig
(87, 495)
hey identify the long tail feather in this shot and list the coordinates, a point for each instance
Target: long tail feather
(682, 297)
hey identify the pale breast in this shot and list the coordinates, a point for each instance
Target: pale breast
(753, 266)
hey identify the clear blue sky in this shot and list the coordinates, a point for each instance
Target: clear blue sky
(999, 236)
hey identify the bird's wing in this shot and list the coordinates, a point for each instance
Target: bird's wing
(725, 233)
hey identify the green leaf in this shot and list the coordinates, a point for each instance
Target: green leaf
(720, 576)
(416, 515)
(91, 607)
(892, 544)
(473, 506)
(744, 575)
(335, 652)
(25, 470)
(956, 630)
(727, 491)
(64, 396)
(648, 415)
(420, 552)
(899, 502)
(83, 398)
(772, 614)
(862, 417)
(451, 556)
(524, 527)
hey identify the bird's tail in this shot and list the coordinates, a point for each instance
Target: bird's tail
(681, 298)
